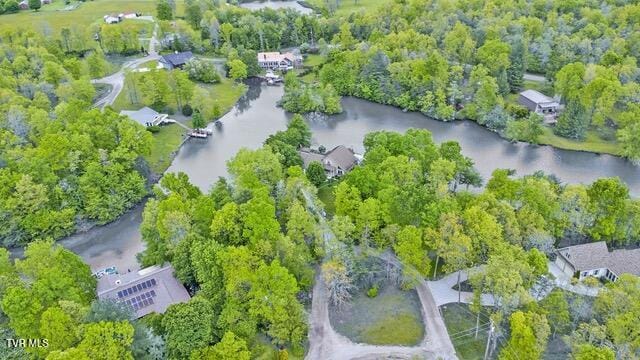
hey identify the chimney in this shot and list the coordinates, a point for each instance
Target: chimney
(118, 282)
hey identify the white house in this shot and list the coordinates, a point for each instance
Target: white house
(595, 259)
(540, 103)
(279, 61)
(146, 116)
(110, 19)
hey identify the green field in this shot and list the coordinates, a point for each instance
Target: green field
(85, 14)
(164, 144)
(391, 318)
(592, 143)
(349, 6)
(461, 324)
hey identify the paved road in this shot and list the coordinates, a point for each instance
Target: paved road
(444, 293)
(327, 344)
(534, 77)
(116, 80)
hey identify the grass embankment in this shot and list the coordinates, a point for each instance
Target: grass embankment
(391, 318)
(169, 138)
(592, 142)
(461, 323)
(327, 196)
(85, 14)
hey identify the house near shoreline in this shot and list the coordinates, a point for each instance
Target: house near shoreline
(595, 259)
(149, 290)
(540, 103)
(279, 61)
(146, 116)
(175, 60)
(336, 162)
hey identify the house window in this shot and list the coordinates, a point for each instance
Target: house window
(585, 273)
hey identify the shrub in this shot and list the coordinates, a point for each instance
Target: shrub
(591, 281)
(153, 129)
(187, 110)
(373, 292)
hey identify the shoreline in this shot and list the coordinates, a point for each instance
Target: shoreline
(17, 252)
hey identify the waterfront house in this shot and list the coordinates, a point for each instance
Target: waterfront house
(595, 259)
(541, 104)
(146, 116)
(337, 162)
(279, 61)
(175, 60)
(150, 290)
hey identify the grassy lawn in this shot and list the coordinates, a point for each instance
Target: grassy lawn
(457, 318)
(328, 198)
(592, 143)
(164, 144)
(391, 318)
(314, 60)
(84, 15)
(349, 6)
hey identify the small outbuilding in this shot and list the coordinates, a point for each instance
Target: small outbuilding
(595, 259)
(149, 290)
(146, 116)
(540, 103)
(175, 60)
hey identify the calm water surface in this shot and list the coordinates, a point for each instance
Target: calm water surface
(256, 116)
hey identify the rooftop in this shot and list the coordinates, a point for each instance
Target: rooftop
(536, 96)
(177, 59)
(143, 116)
(596, 255)
(149, 290)
(276, 56)
(342, 157)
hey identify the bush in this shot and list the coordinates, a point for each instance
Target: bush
(153, 129)
(591, 281)
(187, 110)
(373, 292)
(11, 6)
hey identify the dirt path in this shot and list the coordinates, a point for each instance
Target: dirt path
(327, 344)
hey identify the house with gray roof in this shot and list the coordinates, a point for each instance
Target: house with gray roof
(149, 290)
(540, 103)
(595, 259)
(146, 116)
(175, 60)
(337, 162)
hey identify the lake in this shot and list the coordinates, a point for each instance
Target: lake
(256, 116)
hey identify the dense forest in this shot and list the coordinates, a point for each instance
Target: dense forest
(462, 59)
(62, 165)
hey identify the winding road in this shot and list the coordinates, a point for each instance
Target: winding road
(116, 80)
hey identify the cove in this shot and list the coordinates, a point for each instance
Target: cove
(256, 116)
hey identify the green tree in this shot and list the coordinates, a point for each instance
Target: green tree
(164, 10)
(197, 120)
(573, 121)
(590, 352)
(528, 130)
(316, 174)
(237, 70)
(410, 250)
(35, 5)
(229, 348)
(189, 326)
(607, 198)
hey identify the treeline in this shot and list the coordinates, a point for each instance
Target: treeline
(404, 197)
(245, 249)
(464, 64)
(300, 97)
(63, 165)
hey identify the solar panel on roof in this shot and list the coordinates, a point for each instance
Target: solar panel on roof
(139, 287)
(152, 292)
(144, 285)
(150, 301)
(145, 302)
(153, 282)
